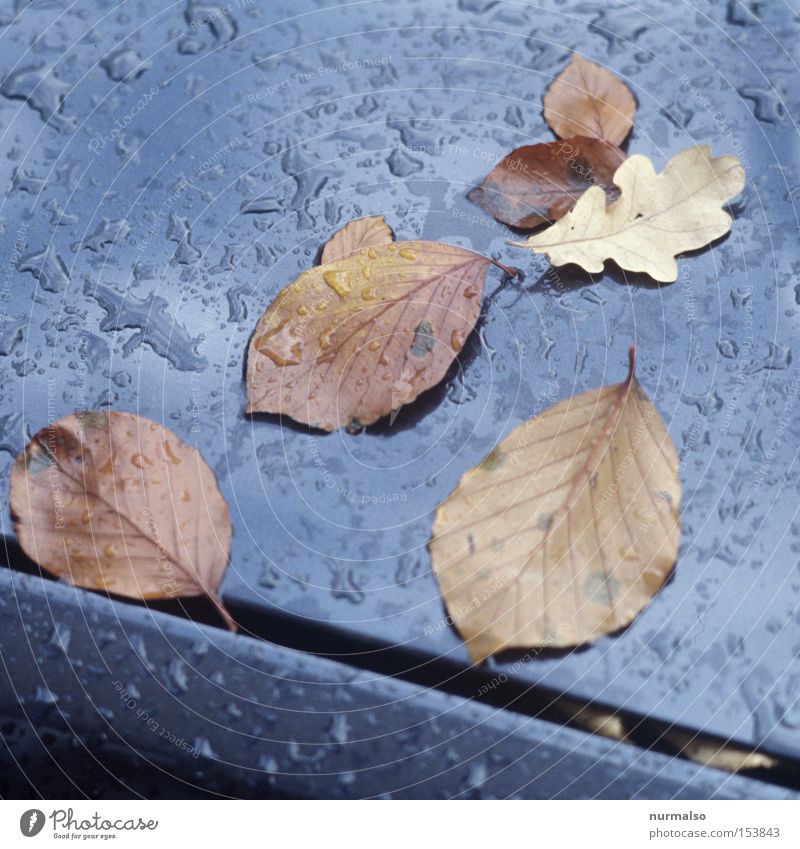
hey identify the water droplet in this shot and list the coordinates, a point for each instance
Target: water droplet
(339, 729)
(124, 64)
(48, 268)
(101, 582)
(154, 324)
(338, 281)
(178, 230)
(402, 165)
(43, 91)
(265, 344)
(171, 455)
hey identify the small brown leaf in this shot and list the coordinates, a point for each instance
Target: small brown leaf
(541, 182)
(566, 530)
(587, 100)
(355, 235)
(112, 501)
(353, 339)
(656, 217)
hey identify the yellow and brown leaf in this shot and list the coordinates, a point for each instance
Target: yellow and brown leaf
(355, 338)
(566, 530)
(112, 501)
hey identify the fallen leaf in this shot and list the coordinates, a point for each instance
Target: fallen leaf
(354, 339)
(592, 718)
(112, 501)
(588, 100)
(361, 233)
(656, 218)
(566, 530)
(725, 756)
(540, 183)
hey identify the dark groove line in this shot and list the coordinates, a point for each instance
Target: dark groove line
(447, 675)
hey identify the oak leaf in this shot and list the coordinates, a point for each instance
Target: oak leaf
(540, 183)
(112, 501)
(566, 530)
(354, 339)
(656, 217)
(588, 100)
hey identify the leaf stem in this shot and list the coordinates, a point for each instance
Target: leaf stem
(632, 360)
(223, 611)
(512, 272)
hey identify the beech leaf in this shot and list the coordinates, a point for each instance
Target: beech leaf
(656, 217)
(566, 530)
(356, 338)
(587, 100)
(113, 501)
(540, 183)
(361, 233)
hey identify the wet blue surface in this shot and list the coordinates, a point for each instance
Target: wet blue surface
(171, 169)
(111, 703)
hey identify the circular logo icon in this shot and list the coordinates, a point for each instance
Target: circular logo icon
(31, 822)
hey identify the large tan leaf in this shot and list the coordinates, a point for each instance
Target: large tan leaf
(540, 183)
(361, 233)
(566, 530)
(587, 100)
(656, 217)
(351, 340)
(113, 501)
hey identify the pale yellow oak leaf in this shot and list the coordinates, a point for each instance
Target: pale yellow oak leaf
(656, 218)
